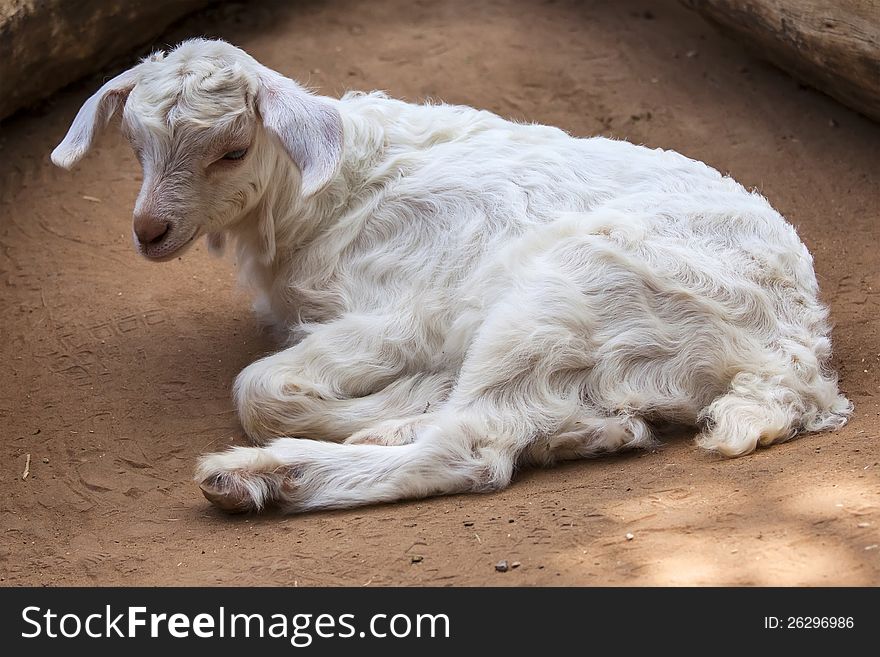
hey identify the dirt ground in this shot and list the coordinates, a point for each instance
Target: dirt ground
(116, 372)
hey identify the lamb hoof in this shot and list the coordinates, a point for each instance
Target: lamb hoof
(226, 497)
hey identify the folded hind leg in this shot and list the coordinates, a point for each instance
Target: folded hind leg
(755, 410)
(763, 410)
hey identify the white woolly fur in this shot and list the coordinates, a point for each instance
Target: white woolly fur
(460, 294)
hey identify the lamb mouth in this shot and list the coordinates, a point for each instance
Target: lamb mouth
(170, 246)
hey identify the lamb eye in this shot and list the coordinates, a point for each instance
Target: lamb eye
(235, 155)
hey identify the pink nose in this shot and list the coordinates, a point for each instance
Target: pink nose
(149, 229)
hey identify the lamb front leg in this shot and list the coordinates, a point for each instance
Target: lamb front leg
(341, 378)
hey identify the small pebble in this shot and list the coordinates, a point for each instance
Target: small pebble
(864, 524)
(45, 459)
(502, 566)
(629, 536)
(417, 559)
(515, 564)
(468, 524)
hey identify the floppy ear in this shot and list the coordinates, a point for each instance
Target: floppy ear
(309, 128)
(93, 117)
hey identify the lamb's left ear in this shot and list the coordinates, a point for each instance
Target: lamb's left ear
(92, 117)
(309, 128)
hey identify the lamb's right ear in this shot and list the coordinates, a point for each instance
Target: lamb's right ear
(93, 117)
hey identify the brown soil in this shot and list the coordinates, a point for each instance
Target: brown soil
(116, 372)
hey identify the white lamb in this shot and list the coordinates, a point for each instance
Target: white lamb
(461, 295)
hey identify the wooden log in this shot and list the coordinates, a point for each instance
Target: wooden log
(46, 44)
(833, 45)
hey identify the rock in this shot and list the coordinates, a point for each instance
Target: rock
(834, 45)
(47, 44)
(502, 566)
(417, 558)
(629, 536)
(515, 564)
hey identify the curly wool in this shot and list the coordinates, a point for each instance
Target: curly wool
(461, 294)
